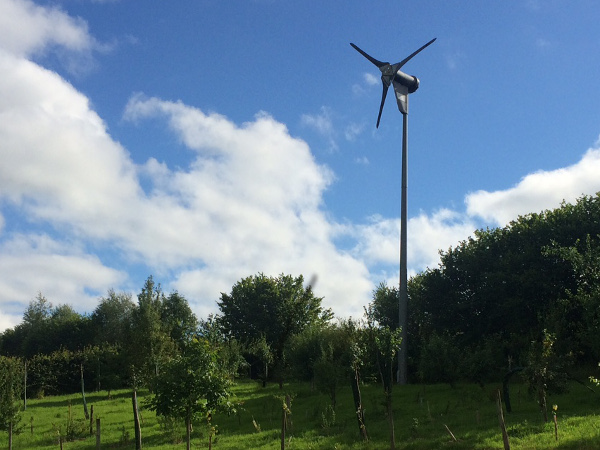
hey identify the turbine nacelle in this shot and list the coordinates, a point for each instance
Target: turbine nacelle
(404, 84)
(410, 82)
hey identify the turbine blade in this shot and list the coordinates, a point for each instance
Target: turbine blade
(369, 57)
(383, 95)
(408, 58)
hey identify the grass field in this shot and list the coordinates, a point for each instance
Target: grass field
(421, 412)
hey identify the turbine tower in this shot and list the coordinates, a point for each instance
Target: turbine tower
(404, 84)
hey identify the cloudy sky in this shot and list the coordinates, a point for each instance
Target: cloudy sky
(203, 141)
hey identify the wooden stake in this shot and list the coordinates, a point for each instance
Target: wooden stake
(501, 420)
(91, 420)
(554, 410)
(98, 433)
(448, 429)
(136, 421)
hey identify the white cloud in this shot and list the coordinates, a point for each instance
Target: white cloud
(322, 123)
(60, 270)
(250, 201)
(455, 60)
(59, 164)
(370, 79)
(27, 29)
(254, 194)
(353, 130)
(378, 242)
(538, 191)
(542, 43)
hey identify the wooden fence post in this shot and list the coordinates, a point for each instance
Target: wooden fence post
(25, 388)
(91, 420)
(98, 433)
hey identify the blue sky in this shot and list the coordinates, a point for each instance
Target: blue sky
(205, 141)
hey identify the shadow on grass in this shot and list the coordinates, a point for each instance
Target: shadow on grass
(76, 399)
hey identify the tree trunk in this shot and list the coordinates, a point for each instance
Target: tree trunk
(85, 409)
(188, 430)
(10, 433)
(358, 408)
(136, 422)
(542, 402)
(501, 420)
(390, 414)
(283, 428)
(285, 410)
(505, 388)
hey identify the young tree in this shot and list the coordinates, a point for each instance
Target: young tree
(149, 345)
(276, 308)
(262, 351)
(354, 334)
(35, 327)
(230, 350)
(385, 343)
(545, 372)
(191, 385)
(11, 389)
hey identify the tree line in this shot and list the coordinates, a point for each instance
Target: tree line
(522, 298)
(267, 328)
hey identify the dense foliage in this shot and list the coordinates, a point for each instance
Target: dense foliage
(11, 385)
(497, 294)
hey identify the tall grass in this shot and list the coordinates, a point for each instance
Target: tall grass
(422, 413)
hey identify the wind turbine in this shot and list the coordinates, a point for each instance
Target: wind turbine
(404, 84)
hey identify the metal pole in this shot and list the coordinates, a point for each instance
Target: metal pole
(402, 376)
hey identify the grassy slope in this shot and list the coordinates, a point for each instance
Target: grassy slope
(420, 415)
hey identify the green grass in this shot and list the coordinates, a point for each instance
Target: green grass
(421, 413)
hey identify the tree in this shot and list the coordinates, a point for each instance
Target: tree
(333, 367)
(261, 350)
(384, 307)
(385, 343)
(544, 373)
(11, 389)
(178, 319)
(35, 327)
(112, 317)
(149, 344)
(276, 308)
(68, 329)
(38, 311)
(229, 350)
(191, 385)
